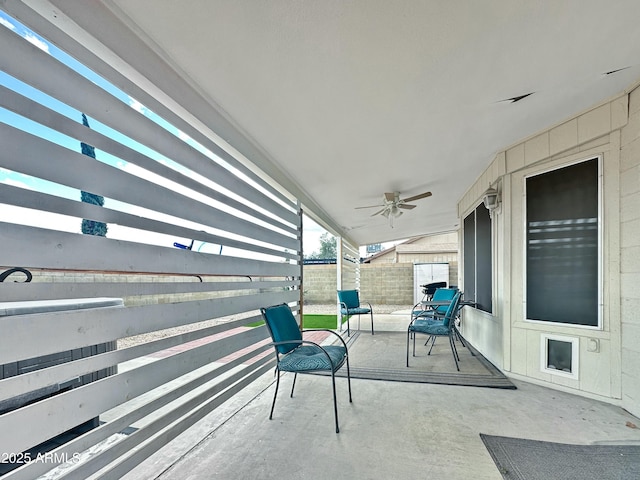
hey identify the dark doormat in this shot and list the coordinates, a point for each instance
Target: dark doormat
(383, 357)
(521, 459)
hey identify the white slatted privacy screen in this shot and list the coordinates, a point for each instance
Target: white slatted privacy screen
(349, 266)
(183, 341)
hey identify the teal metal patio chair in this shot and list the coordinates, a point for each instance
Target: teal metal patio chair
(437, 316)
(436, 328)
(294, 354)
(350, 305)
(435, 312)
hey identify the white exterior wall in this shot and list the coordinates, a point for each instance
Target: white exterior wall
(630, 256)
(611, 131)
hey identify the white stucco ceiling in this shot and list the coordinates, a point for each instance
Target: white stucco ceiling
(351, 99)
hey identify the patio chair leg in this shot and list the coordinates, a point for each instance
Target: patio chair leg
(453, 350)
(335, 400)
(433, 342)
(275, 394)
(371, 322)
(414, 344)
(349, 379)
(453, 342)
(293, 385)
(408, 339)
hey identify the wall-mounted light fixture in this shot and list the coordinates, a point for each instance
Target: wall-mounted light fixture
(491, 199)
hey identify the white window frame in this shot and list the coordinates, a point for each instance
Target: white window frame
(600, 217)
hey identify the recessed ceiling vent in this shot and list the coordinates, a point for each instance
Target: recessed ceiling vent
(615, 71)
(518, 98)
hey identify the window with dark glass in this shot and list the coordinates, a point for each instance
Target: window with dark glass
(477, 285)
(562, 235)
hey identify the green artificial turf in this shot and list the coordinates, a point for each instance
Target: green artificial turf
(311, 321)
(320, 321)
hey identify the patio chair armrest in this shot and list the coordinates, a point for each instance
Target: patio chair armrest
(286, 342)
(301, 342)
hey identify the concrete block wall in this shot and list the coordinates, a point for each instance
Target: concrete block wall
(320, 284)
(387, 284)
(380, 284)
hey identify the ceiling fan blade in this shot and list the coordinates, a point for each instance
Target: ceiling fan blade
(368, 206)
(378, 212)
(417, 197)
(390, 196)
(408, 207)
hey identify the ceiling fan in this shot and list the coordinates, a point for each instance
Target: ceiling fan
(392, 203)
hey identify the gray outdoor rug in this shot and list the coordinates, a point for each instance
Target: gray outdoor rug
(383, 357)
(521, 459)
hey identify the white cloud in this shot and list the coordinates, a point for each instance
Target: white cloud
(41, 44)
(16, 183)
(136, 105)
(6, 23)
(37, 218)
(183, 136)
(9, 177)
(311, 233)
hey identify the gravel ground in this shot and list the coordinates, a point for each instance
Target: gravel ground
(330, 309)
(312, 309)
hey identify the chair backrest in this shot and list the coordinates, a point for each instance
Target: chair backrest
(282, 326)
(442, 295)
(349, 297)
(452, 310)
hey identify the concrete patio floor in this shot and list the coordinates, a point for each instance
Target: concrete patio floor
(391, 430)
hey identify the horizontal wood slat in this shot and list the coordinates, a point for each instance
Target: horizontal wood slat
(178, 87)
(74, 90)
(23, 152)
(131, 416)
(48, 249)
(22, 105)
(41, 201)
(27, 382)
(61, 290)
(88, 401)
(28, 336)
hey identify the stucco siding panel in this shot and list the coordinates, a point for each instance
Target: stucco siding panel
(634, 101)
(619, 112)
(631, 132)
(519, 344)
(563, 137)
(595, 368)
(594, 123)
(630, 181)
(515, 158)
(536, 149)
(629, 155)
